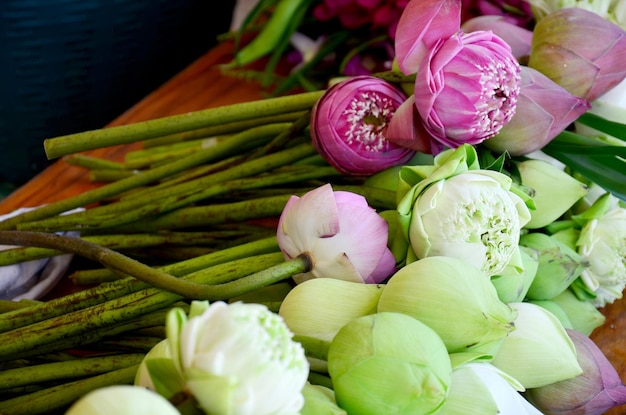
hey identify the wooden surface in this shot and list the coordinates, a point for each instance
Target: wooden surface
(201, 86)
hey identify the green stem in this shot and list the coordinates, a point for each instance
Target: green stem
(58, 397)
(314, 347)
(121, 242)
(116, 311)
(108, 258)
(246, 140)
(11, 378)
(108, 291)
(123, 134)
(220, 129)
(91, 163)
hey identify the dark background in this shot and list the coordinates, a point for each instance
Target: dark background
(74, 65)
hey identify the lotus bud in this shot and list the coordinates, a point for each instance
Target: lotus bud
(544, 109)
(237, 358)
(122, 400)
(483, 389)
(349, 123)
(579, 50)
(553, 190)
(320, 307)
(559, 266)
(517, 37)
(344, 237)
(555, 309)
(583, 315)
(513, 286)
(539, 351)
(454, 298)
(598, 389)
(376, 371)
(159, 373)
(602, 243)
(320, 400)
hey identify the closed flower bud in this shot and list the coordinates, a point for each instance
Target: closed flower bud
(553, 191)
(122, 400)
(544, 109)
(344, 237)
(583, 315)
(579, 50)
(559, 266)
(349, 124)
(539, 351)
(512, 286)
(320, 400)
(377, 371)
(321, 306)
(482, 389)
(453, 298)
(595, 391)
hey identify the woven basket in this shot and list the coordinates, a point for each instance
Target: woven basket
(74, 65)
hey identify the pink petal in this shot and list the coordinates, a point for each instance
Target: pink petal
(423, 23)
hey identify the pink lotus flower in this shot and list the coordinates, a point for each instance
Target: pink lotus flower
(344, 237)
(466, 90)
(594, 392)
(544, 109)
(422, 24)
(349, 122)
(579, 50)
(466, 84)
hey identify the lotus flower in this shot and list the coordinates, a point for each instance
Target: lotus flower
(377, 371)
(516, 12)
(456, 209)
(544, 109)
(579, 50)
(539, 351)
(602, 243)
(344, 237)
(453, 298)
(122, 400)
(466, 85)
(235, 359)
(349, 123)
(594, 392)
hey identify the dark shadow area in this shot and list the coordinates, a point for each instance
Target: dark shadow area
(74, 65)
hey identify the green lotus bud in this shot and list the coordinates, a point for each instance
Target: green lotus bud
(513, 286)
(377, 371)
(583, 315)
(122, 400)
(555, 309)
(559, 266)
(539, 351)
(321, 306)
(319, 400)
(479, 388)
(552, 190)
(452, 297)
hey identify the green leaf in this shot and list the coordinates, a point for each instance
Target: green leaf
(596, 122)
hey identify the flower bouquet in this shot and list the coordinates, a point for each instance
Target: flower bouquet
(435, 238)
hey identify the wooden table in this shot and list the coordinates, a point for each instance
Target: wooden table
(201, 86)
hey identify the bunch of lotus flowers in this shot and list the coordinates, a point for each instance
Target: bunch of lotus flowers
(480, 290)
